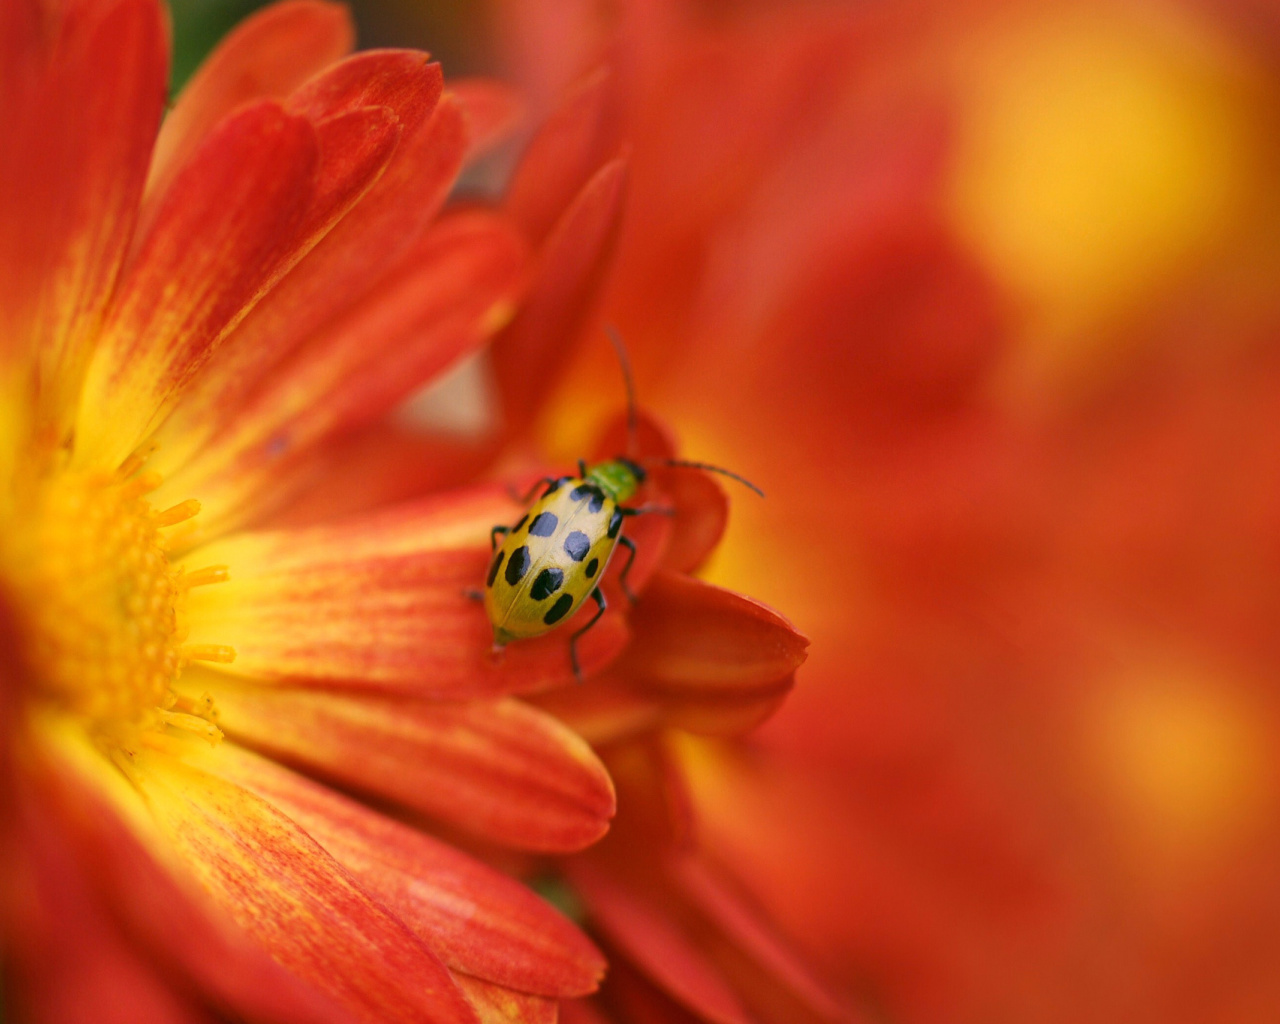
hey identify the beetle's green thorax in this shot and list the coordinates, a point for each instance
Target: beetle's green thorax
(618, 478)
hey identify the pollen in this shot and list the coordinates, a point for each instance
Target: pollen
(105, 606)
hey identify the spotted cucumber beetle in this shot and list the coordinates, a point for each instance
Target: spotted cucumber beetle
(552, 560)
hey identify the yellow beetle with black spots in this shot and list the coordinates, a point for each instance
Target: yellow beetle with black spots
(552, 560)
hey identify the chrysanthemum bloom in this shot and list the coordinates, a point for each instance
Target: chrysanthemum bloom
(223, 738)
(1009, 271)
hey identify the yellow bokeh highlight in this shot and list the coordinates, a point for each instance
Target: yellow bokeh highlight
(1101, 152)
(1182, 758)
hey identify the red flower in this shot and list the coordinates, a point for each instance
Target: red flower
(229, 721)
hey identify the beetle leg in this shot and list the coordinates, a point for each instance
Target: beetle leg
(573, 640)
(471, 594)
(493, 536)
(630, 545)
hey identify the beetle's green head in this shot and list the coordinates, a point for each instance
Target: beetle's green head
(619, 478)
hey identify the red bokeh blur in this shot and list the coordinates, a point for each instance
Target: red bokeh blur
(986, 296)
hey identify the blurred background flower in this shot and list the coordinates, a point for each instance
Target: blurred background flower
(986, 296)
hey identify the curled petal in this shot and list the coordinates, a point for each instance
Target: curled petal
(380, 602)
(282, 888)
(656, 942)
(246, 190)
(476, 920)
(439, 306)
(84, 179)
(266, 56)
(492, 111)
(752, 953)
(499, 769)
(361, 250)
(497, 1005)
(700, 641)
(571, 146)
(572, 264)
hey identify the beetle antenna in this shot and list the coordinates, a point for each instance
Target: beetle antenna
(685, 463)
(616, 340)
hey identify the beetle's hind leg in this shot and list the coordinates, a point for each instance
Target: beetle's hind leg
(494, 534)
(630, 545)
(573, 640)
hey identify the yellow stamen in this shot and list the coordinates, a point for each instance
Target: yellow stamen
(203, 577)
(219, 653)
(201, 727)
(179, 513)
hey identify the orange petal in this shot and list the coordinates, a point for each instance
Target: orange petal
(266, 56)
(159, 913)
(377, 466)
(380, 602)
(700, 641)
(244, 193)
(499, 769)
(478, 921)
(361, 250)
(570, 148)
(282, 888)
(651, 939)
(754, 955)
(85, 162)
(437, 308)
(580, 1011)
(571, 268)
(497, 1005)
(492, 111)
(607, 710)
(67, 961)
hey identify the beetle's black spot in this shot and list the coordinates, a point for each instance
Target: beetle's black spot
(493, 569)
(516, 528)
(517, 565)
(583, 491)
(615, 523)
(546, 584)
(555, 485)
(544, 524)
(577, 544)
(558, 610)
(592, 566)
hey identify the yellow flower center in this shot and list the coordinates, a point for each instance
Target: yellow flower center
(103, 606)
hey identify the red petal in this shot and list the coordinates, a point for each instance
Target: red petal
(572, 266)
(165, 917)
(437, 308)
(380, 602)
(497, 1005)
(605, 711)
(339, 271)
(570, 148)
(499, 769)
(291, 896)
(476, 920)
(242, 196)
(641, 928)
(755, 955)
(698, 640)
(68, 962)
(86, 161)
(267, 56)
(492, 112)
